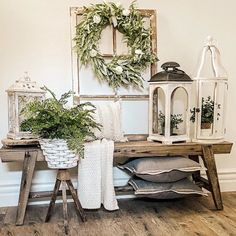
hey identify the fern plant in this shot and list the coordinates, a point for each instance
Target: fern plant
(175, 120)
(51, 119)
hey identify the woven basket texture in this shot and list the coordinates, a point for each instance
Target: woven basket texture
(57, 154)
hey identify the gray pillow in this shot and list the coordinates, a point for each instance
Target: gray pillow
(179, 189)
(162, 169)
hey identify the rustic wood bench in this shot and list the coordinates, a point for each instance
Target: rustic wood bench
(28, 152)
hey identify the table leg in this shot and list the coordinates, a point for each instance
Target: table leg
(26, 180)
(78, 206)
(65, 211)
(53, 200)
(209, 162)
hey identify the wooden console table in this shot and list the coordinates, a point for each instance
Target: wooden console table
(29, 153)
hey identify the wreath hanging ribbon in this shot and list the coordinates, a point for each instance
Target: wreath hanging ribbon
(121, 71)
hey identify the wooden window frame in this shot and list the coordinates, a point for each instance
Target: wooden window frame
(74, 12)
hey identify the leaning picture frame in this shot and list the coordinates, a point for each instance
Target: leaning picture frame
(79, 94)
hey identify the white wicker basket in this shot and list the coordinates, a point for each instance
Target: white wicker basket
(57, 154)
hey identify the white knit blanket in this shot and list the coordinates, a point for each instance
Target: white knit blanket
(95, 176)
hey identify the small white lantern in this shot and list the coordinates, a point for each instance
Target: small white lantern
(19, 94)
(169, 105)
(208, 114)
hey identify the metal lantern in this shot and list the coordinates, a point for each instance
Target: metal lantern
(208, 114)
(19, 94)
(169, 105)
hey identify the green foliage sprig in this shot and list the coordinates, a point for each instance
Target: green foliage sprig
(121, 71)
(175, 120)
(207, 111)
(51, 119)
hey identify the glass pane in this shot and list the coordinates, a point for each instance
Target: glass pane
(179, 105)
(23, 100)
(11, 112)
(220, 110)
(105, 43)
(130, 110)
(207, 101)
(121, 45)
(158, 111)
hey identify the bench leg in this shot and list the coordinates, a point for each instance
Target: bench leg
(26, 180)
(78, 206)
(209, 162)
(53, 200)
(65, 211)
(63, 179)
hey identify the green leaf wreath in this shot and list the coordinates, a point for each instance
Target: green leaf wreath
(121, 71)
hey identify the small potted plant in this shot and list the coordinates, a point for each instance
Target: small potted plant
(62, 131)
(207, 113)
(175, 120)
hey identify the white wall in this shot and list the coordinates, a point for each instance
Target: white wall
(35, 37)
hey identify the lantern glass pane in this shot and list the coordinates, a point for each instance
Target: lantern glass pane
(11, 112)
(179, 105)
(23, 100)
(207, 114)
(158, 111)
(220, 109)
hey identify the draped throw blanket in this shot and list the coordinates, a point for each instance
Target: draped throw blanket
(95, 176)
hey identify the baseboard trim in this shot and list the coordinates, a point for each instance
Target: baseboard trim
(227, 179)
(9, 192)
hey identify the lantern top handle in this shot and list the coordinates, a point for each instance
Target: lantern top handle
(209, 41)
(217, 67)
(26, 77)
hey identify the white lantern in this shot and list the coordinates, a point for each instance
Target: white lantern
(19, 94)
(208, 114)
(169, 105)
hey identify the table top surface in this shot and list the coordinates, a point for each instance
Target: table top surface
(133, 140)
(122, 150)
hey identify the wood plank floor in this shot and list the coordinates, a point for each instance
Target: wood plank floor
(183, 217)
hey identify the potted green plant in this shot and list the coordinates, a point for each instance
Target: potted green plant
(207, 113)
(62, 130)
(175, 120)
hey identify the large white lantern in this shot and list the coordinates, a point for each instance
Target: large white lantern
(208, 114)
(169, 105)
(19, 94)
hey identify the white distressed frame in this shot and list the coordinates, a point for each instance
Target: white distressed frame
(74, 11)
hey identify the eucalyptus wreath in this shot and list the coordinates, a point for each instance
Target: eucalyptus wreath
(123, 70)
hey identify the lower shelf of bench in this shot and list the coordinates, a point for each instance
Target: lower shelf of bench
(123, 190)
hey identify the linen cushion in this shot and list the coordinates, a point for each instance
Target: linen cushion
(178, 189)
(162, 169)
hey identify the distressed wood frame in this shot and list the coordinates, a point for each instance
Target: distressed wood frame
(74, 12)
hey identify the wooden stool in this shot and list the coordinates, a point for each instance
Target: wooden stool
(63, 179)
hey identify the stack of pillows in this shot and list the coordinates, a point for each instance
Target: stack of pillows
(163, 177)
